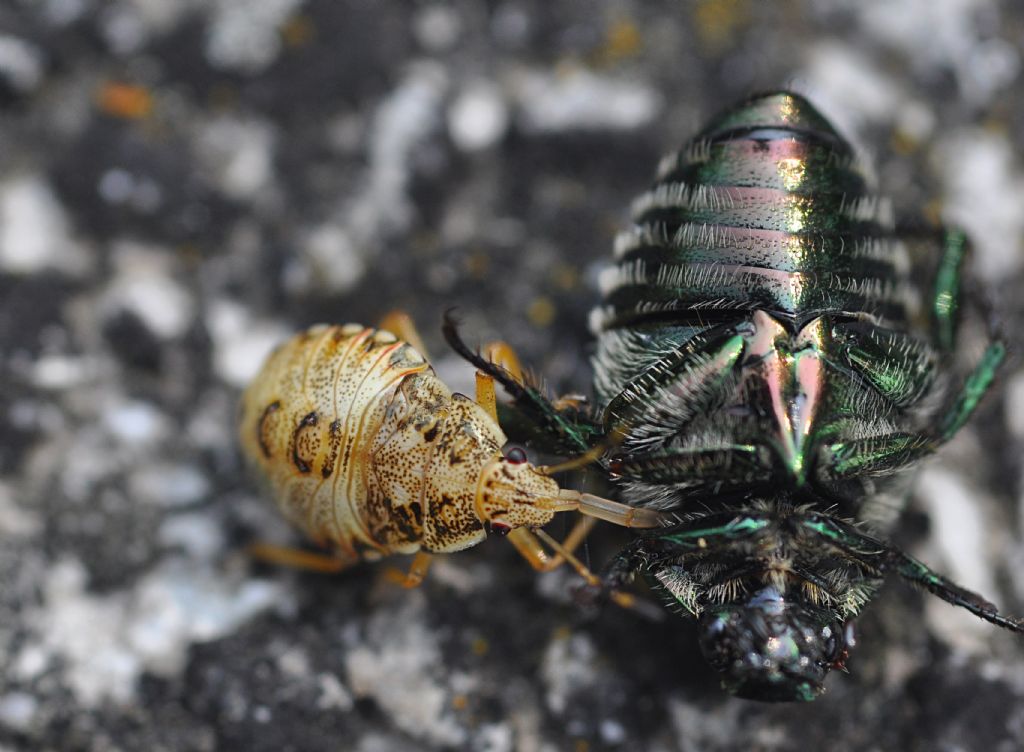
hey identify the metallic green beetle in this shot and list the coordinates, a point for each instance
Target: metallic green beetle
(772, 360)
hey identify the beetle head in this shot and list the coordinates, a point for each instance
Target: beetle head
(769, 647)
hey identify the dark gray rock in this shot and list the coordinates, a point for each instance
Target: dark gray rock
(183, 185)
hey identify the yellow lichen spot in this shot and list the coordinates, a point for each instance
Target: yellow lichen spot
(541, 312)
(581, 745)
(222, 97)
(478, 264)
(622, 41)
(565, 277)
(460, 702)
(126, 101)
(480, 646)
(932, 211)
(902, 142)
(997, 125)
(718, 21)
(792, 172)
(297, 31)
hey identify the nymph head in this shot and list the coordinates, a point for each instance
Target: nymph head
(773, 648)
(513, 493)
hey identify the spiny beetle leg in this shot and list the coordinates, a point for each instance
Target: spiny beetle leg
(566, 435)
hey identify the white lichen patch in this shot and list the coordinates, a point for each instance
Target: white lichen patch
(103, 643)
(949, 36)
(612, 732)
(452, 572)
(567, 667)
(16, 521)
(127, 25)
(334, 696)
(240, 342)
(558, 585)
(848, 87)
(198, 534)
(21, 63)
(17, 709)
(579, 99)
(116, 435)
(984, 181)
(698, 728)
(437, 27)
(961, 545)
(330, 261)
(144, 283)
(122, 187)
(398, 663)
(237, 155)
(34, 230)
(403, 121)
(168, 485)
(494, 737)
(56, 372)
(133, 423)
(478, 117)
(244, 36)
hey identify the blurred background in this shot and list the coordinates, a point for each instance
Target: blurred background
(183, 184)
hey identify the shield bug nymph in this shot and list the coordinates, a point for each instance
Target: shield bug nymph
(370, 454)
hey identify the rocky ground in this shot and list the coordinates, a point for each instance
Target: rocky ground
(183, 184)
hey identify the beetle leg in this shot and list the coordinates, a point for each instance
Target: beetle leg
(417, 571)
(502, 354)
(297, 558)
(577, 402)
(974, 388)
(684, 382)
(559, 433)
(875, 455)
(702, 469)
(401, 325)
(893, 451)
(946, 295)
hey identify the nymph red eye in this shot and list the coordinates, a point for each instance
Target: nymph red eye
(516, 455)
(499, 528)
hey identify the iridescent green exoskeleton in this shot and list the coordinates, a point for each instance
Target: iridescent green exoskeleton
(773, 356)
